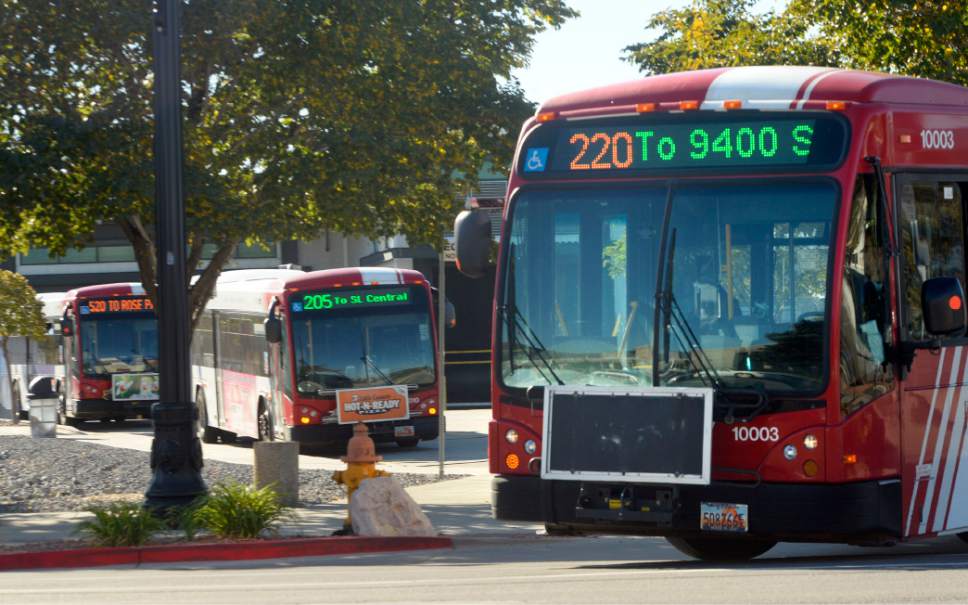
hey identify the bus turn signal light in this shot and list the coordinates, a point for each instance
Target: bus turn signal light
(810, 468)
(955, 303)
(512, 461)
(432, 411)
(850, 458)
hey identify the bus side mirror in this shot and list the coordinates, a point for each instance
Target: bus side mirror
(67, 327)
(273, 326)
(472, 242)
(943, 306)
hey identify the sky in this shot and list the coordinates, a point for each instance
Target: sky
(587, 51)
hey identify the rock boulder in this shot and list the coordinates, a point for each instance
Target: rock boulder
(381, 507)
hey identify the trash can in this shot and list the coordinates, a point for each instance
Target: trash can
(43, 407)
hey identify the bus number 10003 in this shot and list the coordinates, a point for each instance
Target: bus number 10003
(756, 433)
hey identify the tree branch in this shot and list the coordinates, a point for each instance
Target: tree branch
(144, 253)
(194, 256)
(201, 291)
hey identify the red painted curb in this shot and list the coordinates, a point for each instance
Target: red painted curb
(228, 551)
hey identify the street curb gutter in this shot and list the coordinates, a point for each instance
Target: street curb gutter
(230, 551)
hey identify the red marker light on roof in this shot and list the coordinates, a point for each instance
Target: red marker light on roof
(955, 302)
(732, 104)
(645, 107)
(688, 105)
(836, 106)
(546, 116)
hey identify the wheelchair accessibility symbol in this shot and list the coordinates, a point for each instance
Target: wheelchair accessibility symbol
(536, 159)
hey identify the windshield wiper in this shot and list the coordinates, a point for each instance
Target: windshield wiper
(668, 312)
(369, 362)
(533, 347)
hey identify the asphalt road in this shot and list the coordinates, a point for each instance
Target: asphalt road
(535, 570)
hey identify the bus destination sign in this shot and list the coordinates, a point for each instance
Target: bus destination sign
(341, 299)
(672, 143)
(100, 306)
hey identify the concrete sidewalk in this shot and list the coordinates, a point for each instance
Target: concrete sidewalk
(458, 508)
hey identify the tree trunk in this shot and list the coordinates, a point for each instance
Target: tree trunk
(201, 291)
(14, 405)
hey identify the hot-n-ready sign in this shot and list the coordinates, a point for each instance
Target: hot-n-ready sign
(373, 404)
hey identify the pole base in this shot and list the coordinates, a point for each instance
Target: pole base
(176, 459)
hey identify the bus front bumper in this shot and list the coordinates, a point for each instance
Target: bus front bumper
(425, 428)
(95, 409)
(864, 512)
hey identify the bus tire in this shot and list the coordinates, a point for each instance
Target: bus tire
(206, 433)
(721, 549)
(264, 422)
(408, 442)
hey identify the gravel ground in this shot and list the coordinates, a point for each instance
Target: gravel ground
(41, 475)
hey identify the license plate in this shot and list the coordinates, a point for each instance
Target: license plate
(721, 516)
(403, 431)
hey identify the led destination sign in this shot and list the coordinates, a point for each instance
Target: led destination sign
(340, 299)
(116, 305)
(677, 142)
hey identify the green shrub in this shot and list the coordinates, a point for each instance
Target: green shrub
(185, 518)
(235, 510)
(120, 524)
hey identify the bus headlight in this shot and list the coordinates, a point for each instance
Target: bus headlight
(511, 436)
(790, 452)
(530, 446)
(811, 442)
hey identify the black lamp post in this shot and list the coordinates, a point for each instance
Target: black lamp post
(176, 453)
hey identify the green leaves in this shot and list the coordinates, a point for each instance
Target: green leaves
(926, 39)
(718, 33)
(21, 314)
(234, 510)
(120, 524)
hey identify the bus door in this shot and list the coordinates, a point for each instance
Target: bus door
(278, 370)
(933, 398)
(217, 356)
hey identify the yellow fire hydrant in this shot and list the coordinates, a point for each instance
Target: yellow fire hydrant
(361, 462)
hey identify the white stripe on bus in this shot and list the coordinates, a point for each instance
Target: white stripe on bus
(954, 447)
(939, 443)
(924, 445)
(811, 86)
(759, 87)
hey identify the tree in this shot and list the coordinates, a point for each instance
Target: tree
(718, 33)
(299, 116)
(21, 314)
(926, 39)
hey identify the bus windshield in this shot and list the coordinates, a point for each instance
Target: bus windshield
(112, 345)
(362, 345)
(743, 298)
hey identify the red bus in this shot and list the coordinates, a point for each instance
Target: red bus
(729, 311)
(276, 348)
(110, 354)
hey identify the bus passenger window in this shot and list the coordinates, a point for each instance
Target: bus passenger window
(932, 243)
(864, 329)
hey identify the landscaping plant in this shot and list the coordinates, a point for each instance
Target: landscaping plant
(235, 510)
(121, 524)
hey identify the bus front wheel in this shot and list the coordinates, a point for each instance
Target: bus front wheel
(721, 549)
